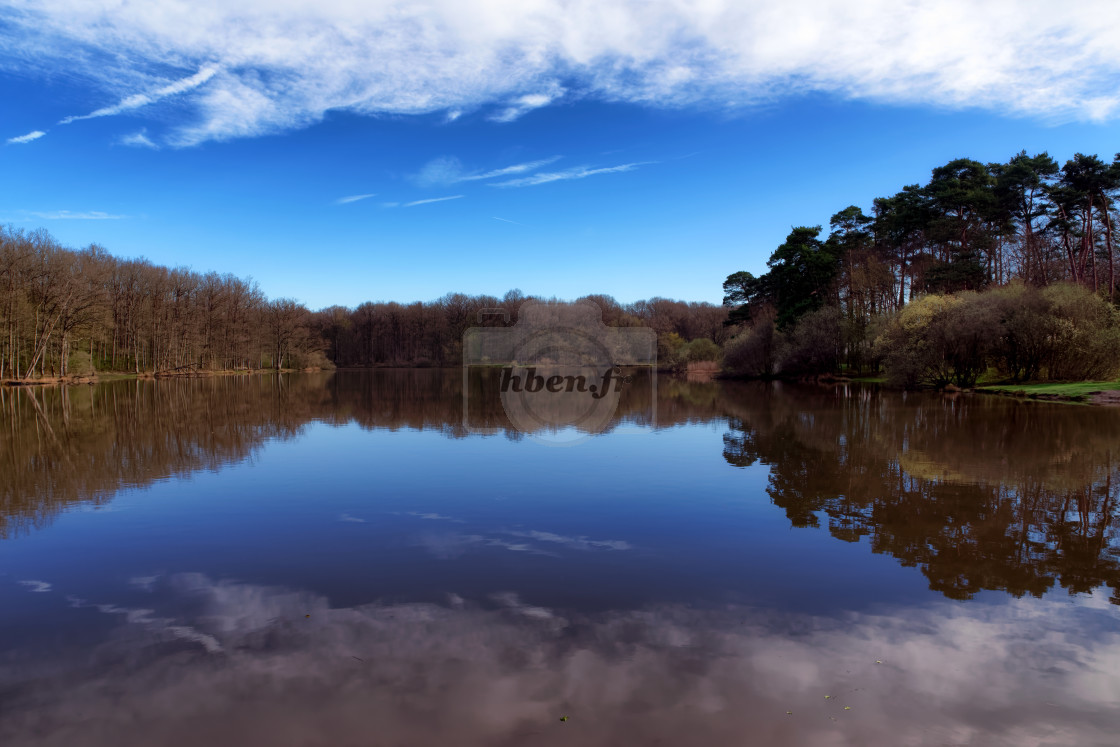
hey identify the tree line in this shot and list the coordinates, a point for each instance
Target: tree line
(842, 302)
(66, 312)
(431, 334)
(73, 312)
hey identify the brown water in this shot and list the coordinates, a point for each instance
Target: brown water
(377, 559)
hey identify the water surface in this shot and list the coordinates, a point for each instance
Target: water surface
(345, 558)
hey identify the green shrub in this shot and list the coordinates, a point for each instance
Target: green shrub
(910, 343)
(1064, 332)
(702, 349)
(671, 351)
(1085, 341)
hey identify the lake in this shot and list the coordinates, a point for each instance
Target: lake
(391, 558)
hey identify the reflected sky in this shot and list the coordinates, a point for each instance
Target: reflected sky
(683, 579)
(192, 660)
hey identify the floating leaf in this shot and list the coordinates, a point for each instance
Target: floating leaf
(827, 697)
(847, 708)
(563, 718)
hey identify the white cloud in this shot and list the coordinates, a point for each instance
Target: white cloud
(37, 586)
(517, 168)
(35, 135)
(138, 140)
(524, 104)
(67, 215)
(354, 198)
(446, 170)
(414, 203)
(138, 100)
(442, 170)
(580, 172)
(264, 66)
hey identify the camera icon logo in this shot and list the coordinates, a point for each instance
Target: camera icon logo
(558, 373)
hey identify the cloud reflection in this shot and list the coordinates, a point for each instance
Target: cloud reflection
(286, 668)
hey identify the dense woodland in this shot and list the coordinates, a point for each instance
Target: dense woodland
(74, 312)
(65, 311)
(1005, 265)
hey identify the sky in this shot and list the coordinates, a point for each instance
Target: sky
(342, 151)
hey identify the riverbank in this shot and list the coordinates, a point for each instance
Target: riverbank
(98, 378)
(1077, 392)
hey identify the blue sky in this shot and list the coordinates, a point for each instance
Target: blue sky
(339, 152)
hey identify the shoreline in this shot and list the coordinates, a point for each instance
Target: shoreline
(100, 378)
(1093, 393)
(1096, 393)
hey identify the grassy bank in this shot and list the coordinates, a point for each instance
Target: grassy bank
(1100, 392)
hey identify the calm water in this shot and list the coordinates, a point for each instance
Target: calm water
(347, 560)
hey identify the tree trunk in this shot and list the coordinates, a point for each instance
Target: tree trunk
(1087, 240)
(1108, 245)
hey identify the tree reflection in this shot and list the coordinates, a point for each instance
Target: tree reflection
(61, 446)
(980, 493)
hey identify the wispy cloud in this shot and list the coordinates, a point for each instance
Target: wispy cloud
(351, 519)
(354, 198)
(139, 140)
(67, 215)
(414, 203)
(37, 586)
(446, 170)
(269, 68)
(35, 135)
(517, 168)
(580, 172)
(143, 99)
(522, 105)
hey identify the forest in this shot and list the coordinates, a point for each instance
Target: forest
(72, 313)
(1006, 267)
